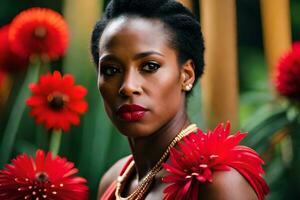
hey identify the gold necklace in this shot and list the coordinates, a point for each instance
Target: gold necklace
(146, 182)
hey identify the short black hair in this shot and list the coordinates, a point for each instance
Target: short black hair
(185, 28)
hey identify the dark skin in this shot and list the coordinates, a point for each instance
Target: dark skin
(148, 74)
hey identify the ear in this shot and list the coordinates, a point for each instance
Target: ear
(187, 75)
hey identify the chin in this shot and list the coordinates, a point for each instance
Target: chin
(134, 129)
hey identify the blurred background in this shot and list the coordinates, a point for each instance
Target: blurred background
(241, 69)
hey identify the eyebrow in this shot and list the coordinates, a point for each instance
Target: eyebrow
(145, 54)
(137, 56)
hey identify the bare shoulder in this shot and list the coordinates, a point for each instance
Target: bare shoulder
(228, 185)
(110, 175)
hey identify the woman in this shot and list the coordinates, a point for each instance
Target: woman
(149, 54)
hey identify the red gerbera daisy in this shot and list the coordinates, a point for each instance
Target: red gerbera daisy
(44, 177)
(56, 102)
(4, 88)
(2, 78)
(288, 73)
(201, 154)
(39, 31)
(9, 61)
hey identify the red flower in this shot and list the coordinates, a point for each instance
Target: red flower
(201, 154)
(2, 78)
(56, 101)
(9, 61)
(5, 87)
(41, 178)
(288, 73)
(39, 31)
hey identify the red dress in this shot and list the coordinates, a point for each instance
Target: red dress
(198, 155)
(109, 194)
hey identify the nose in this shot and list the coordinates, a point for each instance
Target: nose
(131, 84)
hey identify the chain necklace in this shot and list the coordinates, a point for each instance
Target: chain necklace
(143, 187)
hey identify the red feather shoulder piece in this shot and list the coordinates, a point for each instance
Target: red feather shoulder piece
(200, 154)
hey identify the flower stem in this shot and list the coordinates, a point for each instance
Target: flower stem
(55, 141)
(13, 124)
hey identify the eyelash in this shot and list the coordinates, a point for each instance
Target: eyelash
(108, 70)
(153, 67)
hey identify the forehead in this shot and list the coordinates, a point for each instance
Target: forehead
(134, 31)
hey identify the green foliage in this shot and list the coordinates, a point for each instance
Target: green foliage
(95, 144)
(15, 117)
(274, 133)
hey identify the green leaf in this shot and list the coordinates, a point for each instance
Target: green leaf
(275, 170)
(262, 131)
(262, 114)
(292, 113)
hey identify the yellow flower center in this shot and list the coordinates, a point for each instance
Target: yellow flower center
(57, 100)
(40, 32)
(42, 177)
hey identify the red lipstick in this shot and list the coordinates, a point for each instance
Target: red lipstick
(131, 112)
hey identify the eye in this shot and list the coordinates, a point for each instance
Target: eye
(109, 70)
(150, 67)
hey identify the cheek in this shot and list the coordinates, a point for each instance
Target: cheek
(107, 88)
(107, 96)
(168, 89)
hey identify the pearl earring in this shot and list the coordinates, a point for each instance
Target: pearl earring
(188, 87)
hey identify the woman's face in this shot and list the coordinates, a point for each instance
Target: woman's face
(139, 77)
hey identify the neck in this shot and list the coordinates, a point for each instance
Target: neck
(148, 150)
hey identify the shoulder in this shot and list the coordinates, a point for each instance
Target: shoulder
(227, 185)
(111, 175)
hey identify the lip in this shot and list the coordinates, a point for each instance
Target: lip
(131, 112)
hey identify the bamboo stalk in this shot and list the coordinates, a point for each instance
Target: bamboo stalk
(219, 83)
(276, 30)
(81, 16)
(187, 3)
